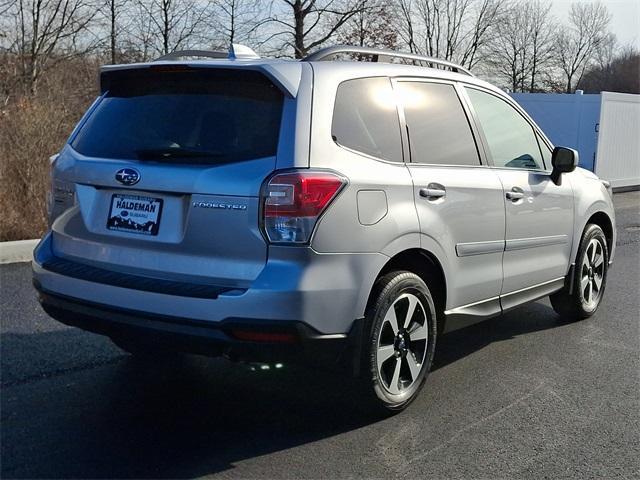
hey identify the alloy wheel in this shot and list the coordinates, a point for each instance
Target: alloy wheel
(402, 344)
(592, 273)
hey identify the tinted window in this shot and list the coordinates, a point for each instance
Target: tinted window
(195, 115)
(365, 118)
(511, 138)
(439, 131)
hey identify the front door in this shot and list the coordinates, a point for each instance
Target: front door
(539, 213)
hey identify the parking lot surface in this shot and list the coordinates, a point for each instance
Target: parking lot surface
(520, 396)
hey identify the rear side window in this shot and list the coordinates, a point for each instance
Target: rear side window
(439, 132)
(511, 139)
(186, 115)
(365, 118)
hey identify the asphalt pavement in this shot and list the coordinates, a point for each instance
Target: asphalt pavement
(520, 396)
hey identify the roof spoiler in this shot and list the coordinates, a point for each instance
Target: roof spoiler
(236, 52)
(286, 77)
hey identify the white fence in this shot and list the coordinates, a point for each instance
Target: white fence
(618, 154)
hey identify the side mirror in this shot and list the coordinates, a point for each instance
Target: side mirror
(563, 160)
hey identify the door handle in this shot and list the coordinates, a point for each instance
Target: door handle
(515, 194)
(433, 191)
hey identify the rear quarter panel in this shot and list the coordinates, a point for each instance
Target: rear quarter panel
(343, 228)
(375, 212)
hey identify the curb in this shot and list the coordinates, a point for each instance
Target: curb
(18, 251)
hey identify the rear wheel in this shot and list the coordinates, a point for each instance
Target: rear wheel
(590, 278)
(402, 338)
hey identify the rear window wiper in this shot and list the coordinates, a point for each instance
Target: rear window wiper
(175, 152)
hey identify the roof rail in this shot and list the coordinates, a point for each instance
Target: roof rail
(235, 52)
(381, 55)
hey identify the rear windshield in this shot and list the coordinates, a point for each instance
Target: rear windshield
(184, 116)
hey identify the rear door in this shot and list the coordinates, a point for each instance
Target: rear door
(539, 213)
(167, 172)
(459, 200)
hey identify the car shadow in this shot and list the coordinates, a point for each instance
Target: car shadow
(190, 416)
(530, 318)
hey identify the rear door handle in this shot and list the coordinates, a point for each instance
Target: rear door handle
(433, 191)
(515, 194)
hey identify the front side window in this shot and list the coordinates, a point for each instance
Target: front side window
(511, 139)
(439, 132)
(365, 118)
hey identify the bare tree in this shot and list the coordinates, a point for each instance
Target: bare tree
(456, 30)
(371, 26)
(523, 44)
(176, 23)
(443, 25)
(487, 14)
(5, 5)
(541, 36)
(43, 28)
(620, 74)
(578, 43)
(406, 24)
(143, 33)
(509, 47)
(113, 11)
(607, 51)
(236, 21)
(307, 24)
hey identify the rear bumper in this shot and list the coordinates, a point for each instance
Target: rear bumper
(324, 291)
(305, 345)
(315, 296)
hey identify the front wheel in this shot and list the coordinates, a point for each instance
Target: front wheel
(402, 339)
(590, 278)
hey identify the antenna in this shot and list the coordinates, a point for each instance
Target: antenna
(241, 52)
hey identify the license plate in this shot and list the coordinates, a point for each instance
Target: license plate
(135, 214)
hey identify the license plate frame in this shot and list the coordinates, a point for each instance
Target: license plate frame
(141, 215)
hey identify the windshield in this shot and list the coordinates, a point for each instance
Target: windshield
(187, 115)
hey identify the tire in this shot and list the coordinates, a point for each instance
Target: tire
(590, 278)
(398, 356)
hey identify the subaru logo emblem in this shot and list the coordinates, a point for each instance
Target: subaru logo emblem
(128, 176)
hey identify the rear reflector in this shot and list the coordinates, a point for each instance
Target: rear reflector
(294, 201)
(270, 337)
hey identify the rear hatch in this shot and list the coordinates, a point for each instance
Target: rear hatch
(167, 170)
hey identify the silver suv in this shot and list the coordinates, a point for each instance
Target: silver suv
(345, 213)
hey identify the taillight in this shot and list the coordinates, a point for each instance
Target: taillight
(60, 198)
(293, 202)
